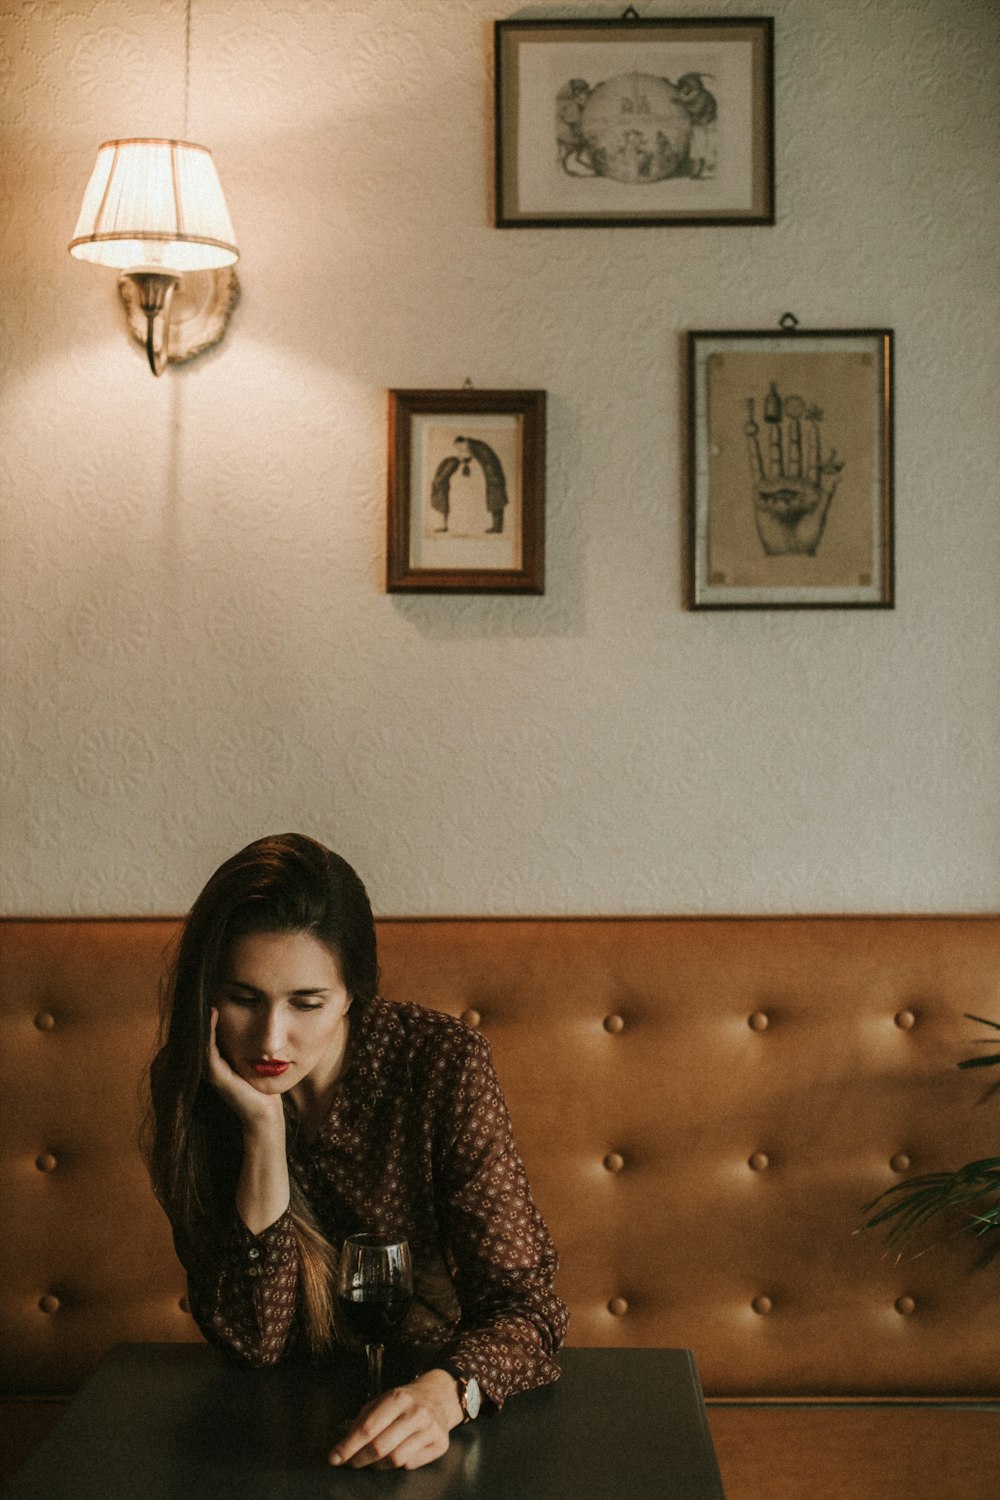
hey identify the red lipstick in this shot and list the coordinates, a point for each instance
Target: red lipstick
(270, 1069)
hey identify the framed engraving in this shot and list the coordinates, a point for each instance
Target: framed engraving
(466, 492)
(790, 469)
(634, 122)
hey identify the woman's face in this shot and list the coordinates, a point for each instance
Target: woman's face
(282, 1011)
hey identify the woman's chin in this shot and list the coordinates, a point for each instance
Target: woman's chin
(275, 1085)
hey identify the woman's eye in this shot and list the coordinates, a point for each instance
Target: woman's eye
(236, 998)
(307, 1005)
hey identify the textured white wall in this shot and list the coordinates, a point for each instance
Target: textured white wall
(197, 645)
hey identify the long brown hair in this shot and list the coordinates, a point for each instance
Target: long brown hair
(286, 883)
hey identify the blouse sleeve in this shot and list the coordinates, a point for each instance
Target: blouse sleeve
(242, 1287)
(504, 1261)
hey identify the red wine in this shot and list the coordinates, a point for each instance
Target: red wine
(373, 1315)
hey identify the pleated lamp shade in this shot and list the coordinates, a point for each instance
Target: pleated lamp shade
(156, 205)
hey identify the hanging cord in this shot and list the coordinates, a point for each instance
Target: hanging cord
(187, 65)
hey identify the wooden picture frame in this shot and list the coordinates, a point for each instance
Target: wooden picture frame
(466, 510)
(790, 469)
(631, 121)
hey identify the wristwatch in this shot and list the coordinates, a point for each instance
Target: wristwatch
(469, 1396)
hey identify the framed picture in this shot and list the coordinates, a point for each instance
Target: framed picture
(634, 122)
(466, 492)
(790, 469)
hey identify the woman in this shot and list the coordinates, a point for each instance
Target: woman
(292, 1106)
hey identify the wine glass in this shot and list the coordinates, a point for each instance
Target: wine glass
(374, 1291)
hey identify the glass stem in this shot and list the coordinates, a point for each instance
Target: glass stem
(374, 1354)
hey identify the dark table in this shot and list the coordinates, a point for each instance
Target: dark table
(176, 1422)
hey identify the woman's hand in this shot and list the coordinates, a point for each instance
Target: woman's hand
(262, 1190)
(405, 1428)
(255, 1110)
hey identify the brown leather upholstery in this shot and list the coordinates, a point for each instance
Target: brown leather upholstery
(703, 1106)
(820, 1452)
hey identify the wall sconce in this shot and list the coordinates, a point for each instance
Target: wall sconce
(155, 210)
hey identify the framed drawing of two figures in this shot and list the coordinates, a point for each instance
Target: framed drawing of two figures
(790, 469)
(466, 492)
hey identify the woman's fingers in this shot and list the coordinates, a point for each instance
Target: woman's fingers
(250, 1104)
(396, 1432)
(380, 1427)
(216, 1062)
(416, 1451)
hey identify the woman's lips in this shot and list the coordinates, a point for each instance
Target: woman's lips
(270, 1069)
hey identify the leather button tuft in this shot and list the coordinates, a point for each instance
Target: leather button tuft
(471, 1018)
(900, 1162)
(614, 1024)
(759, 1162)
(184, 1306)
(904, 1019)
(46, 1162)
(759, 1021)
(45, 1021)
(48, 1303)
(905, 1306)
(762, 1305)
(614, 1161)
(618, 1307)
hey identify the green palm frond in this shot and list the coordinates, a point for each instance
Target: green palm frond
(982, 1062)
(911, 1204)
(973, 1189)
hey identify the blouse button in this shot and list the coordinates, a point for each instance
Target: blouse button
(46, 1162)
(614, 1024)
(45, 1021)
(614, 1161)
(759, 1021)
(472, 1018)
(900, 1162)
(759, 1162)
(618, 1307)
(905, 1019)
(254, 1254)
(48, 1303)
(905, 1306)
(762, 1305)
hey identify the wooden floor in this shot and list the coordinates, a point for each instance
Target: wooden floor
(855, 1452)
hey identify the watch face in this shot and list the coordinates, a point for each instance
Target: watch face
(473, 1400)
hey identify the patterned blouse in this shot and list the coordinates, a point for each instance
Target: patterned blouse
(418, 1143)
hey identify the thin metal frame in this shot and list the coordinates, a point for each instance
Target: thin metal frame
(886, 579)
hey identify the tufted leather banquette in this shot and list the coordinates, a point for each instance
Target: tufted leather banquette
(703, 1105)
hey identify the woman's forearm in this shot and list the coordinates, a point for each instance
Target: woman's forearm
(262, 1192)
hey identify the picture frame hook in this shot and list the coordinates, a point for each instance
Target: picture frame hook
(630, 13)
(789, 322)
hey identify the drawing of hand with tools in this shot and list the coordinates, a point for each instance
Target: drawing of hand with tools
(793, 481)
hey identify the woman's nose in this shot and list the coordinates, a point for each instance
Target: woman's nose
(273, 1035)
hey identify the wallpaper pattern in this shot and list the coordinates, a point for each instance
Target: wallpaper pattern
(197, 647)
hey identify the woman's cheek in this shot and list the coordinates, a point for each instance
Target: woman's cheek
(226, 1041)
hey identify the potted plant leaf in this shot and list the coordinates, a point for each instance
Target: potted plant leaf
(974, 1188)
